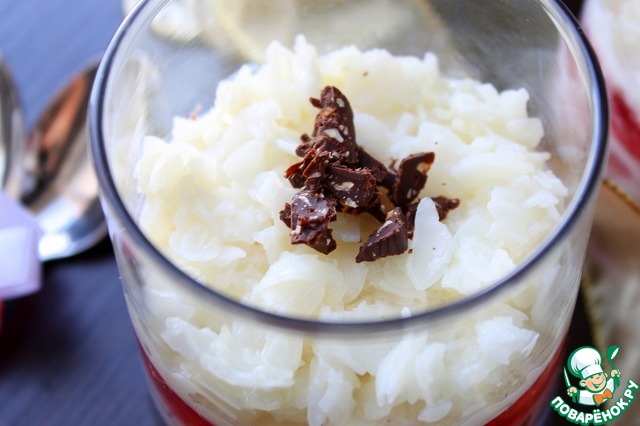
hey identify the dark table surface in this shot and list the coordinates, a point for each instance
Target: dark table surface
(68, 354)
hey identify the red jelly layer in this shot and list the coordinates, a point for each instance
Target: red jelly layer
(527, 410)
(174, 405)
(524, 412)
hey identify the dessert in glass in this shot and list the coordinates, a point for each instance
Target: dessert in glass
(352, 212)
(613, 28)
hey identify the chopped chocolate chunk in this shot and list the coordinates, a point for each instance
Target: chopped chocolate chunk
(389, 239)
(334, 131)
(377, 211)
(336, 175)
(412, 176)
(305, 146)
(410, 212)
(310, 214)
(444, 205)
(294, 175)
(285, 215)
(313, 168)
(384, 176)
(353, 187)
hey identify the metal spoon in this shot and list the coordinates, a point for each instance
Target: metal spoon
(58, 185)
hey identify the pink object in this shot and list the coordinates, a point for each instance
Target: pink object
(20, 267)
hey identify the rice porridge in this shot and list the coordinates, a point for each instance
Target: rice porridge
(214, 193)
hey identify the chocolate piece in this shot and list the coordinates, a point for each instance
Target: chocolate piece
(444, 205)
(353, 187)
(305, 146)
(310, 171)
(377, 211)
(412, 176)
(285, 215)
(294, 175)
(316, 166)
(336, 175)
(389, 239)
(384, 176)
(333, 131)
(310, 214)
(410, 212)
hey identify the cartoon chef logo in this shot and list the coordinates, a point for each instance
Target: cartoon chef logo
(595, 388)
(585, 363)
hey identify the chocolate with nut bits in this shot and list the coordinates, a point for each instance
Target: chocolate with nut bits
(389, 239)
(308, 216)
(411, 177)
(336, 175)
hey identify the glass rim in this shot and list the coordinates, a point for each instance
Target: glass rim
(585, 193)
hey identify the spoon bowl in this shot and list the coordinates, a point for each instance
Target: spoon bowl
(59, 187)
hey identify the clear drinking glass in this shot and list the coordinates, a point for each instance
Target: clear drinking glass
(441, 369)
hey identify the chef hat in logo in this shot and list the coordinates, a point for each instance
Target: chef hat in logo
(585, 362)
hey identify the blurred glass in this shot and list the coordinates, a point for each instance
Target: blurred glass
(613, 28)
